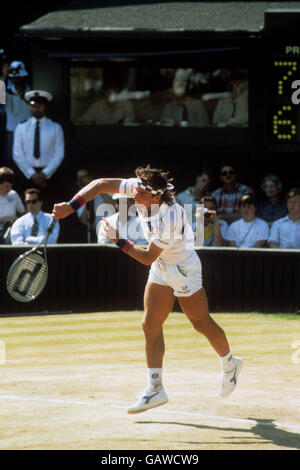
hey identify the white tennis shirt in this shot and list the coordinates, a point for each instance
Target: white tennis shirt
(168, 228)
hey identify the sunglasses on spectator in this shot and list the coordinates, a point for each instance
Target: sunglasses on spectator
(32, 201)
(229, 172)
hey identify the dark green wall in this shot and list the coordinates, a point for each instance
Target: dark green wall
(87, 278)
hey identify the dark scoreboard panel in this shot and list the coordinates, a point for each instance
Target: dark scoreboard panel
(282, 84)
(282, 80)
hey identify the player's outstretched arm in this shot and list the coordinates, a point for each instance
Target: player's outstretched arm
(89, 192)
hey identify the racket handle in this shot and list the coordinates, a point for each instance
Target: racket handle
(51, 226)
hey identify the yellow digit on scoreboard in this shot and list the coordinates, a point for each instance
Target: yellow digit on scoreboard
(290, 67)
(284, 127)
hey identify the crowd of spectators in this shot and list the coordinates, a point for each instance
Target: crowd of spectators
(234, 216)
(227, 212)
(231, 215)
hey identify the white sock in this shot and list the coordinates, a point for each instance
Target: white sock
(154, 378)
(226, 361)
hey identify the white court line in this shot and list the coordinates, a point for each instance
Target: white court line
(54, 378)
(183, 413)
(47, 400)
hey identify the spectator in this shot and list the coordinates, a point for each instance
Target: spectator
(215, 229)
(232, 110)
(2, 95)
(11, 205)
(4, 64)
(193, 194)
(184, 110)
(91, 214)
(31, 228)
(249, 231)
(125, 220)
(38, 148)
(228, 196)
(16, 107)
(285, 232)
(273, 207)
(109, 110)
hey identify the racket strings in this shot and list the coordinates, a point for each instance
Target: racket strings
(27, 277)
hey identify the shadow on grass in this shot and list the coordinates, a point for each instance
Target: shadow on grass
(264, 430)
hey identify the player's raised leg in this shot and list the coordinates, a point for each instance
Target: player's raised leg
(158, 303)
(196, 309)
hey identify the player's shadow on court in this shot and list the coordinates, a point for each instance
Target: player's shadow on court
(264, 429)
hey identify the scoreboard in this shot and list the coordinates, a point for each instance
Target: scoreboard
(282, 86)
(284, 95)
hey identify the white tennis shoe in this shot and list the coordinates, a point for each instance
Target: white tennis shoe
(229, 378)
(148, 399)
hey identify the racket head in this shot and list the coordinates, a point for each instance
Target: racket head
(27, 276)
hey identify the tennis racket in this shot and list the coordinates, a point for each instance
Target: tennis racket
(28, 274)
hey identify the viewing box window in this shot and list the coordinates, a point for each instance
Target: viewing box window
(186, 97)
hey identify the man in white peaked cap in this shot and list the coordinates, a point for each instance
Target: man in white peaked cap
(38, 148)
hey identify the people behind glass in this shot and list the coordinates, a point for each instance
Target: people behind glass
(249, 231)
(11, 205)
(184, 110)
(110, 109)
(232, 109)
(285, 232)
(163, 97)
(125, 220)
(214, 229)
(155, 91)
(273, 207)
(228, 196)
(31, 228)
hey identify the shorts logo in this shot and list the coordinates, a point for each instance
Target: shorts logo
(184, 290)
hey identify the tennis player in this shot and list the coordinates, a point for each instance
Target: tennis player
(175, 272)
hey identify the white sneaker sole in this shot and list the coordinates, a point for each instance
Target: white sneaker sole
(141, 410)
(152, 400)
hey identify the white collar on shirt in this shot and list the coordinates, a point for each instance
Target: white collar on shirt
(288, 219)
(34, 119)
(38, 216)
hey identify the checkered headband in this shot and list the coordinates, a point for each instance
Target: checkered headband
(149, 188)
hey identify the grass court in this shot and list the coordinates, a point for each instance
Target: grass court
(67, 379)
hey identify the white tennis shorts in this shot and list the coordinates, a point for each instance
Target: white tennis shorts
(185, 279)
